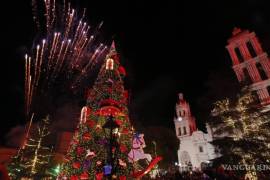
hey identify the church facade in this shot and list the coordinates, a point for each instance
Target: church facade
(195, 149)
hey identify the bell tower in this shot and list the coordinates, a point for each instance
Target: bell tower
(250, 63)
(184, 121)
(195, 148)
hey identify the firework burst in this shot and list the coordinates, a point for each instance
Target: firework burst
(67, 52)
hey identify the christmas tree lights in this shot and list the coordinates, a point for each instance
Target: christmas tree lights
(34, 158)
(241, 131)
(102, 140)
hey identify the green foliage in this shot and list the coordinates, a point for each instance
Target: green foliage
(241, 131)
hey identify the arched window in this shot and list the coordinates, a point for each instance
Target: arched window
(183, 113)
(239, 55)
(247, 77)
(185, 130)
(261, 71)
(179, 132)
(251, 49)
(200, 149)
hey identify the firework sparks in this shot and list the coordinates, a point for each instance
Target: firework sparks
(40, 62)
(98, 52)
(68, 50)
(26, 82)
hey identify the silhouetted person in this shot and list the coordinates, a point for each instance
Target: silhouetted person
(178, 176)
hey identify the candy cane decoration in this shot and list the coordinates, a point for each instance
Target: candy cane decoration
(83, 114)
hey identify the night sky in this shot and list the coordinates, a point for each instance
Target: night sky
(166, 47)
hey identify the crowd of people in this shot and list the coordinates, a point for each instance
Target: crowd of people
(195, 175)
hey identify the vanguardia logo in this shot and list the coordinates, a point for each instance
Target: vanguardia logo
(238, 167)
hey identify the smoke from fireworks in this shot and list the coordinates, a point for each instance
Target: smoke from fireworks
(67, 52)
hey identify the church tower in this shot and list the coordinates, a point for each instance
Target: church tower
(194, 148)
(184, 121)
(250, 63)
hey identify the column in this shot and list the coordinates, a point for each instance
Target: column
(263, 94)
(251, 73)
(266, 66)
(256, 44)
(233, 55)
(239, 74)
(255, 72)
(267, 99)
(248, 55)
(243, 52)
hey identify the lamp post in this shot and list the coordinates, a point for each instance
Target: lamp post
(111, 125)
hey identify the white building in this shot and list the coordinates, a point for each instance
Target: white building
(194, 149)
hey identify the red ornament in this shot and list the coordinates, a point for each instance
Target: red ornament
(122, 71)
(84, 175)
(109, 102)
(118, 122)
(80, 150)
(123, 148)
(76, 165)
(122, 177)
(125, 131)
(126, 95)
(86, 136)
(99, 176)
(109, 110)
(91, 123)
(74, 177)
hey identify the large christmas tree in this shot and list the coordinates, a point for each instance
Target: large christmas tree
(101, 143)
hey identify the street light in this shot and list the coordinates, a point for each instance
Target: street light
(111, 125)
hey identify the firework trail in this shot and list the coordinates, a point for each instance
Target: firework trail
(98, 52)
(67, 52)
